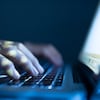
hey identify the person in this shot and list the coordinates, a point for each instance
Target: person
(23, 54)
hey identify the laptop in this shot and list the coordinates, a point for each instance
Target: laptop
(55, 84)
(89, 65)
(69, 82)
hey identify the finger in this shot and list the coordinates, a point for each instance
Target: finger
(47, 51)
(31, 57)
(53, 55)
(18, 57)
(8, 67)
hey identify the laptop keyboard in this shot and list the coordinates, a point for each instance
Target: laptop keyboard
(52, 78)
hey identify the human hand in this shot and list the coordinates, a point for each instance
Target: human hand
(46, 51)
(12, 53)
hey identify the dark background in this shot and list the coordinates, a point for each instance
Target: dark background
(64, 23)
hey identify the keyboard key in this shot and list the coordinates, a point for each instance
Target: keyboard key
(52, 77)
(32, 81)
(22, 79)
(4, 79)
(48, 80)
(59, 80)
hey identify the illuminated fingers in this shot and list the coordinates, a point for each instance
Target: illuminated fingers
(14, 53)
(31, 57)
(8, 67)
(26, 64)
(19, 58)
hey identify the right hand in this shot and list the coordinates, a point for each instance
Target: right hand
(12, 53)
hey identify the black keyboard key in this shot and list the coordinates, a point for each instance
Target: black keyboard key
(48, 80)
(59, 80)
(13, 82)
(22, 79)
(58, 83)
(4, 79)
(60, 76)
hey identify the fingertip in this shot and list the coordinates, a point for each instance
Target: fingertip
(17, 75)
(34, 72)
(41, 70)
(13, 73)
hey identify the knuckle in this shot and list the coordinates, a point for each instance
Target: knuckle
(11, 53)
(24, 60)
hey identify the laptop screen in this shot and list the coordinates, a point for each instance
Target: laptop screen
(90, 54)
